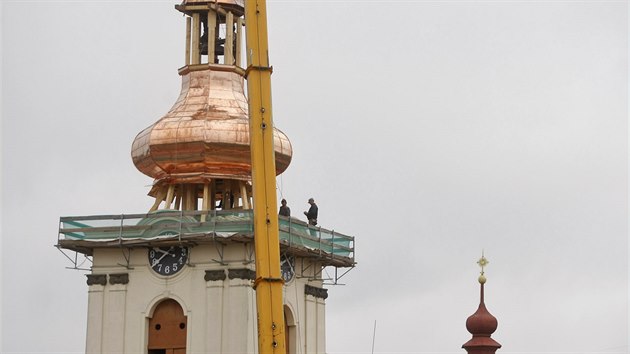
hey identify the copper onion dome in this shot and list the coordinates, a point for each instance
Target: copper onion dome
(205, 134)
(200, 149)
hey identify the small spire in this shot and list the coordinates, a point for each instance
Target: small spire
(481, 324)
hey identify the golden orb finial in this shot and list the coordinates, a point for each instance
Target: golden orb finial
(482, 263)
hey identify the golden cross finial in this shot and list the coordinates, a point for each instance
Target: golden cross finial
(482, 263)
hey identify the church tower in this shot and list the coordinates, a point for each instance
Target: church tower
(177, 277)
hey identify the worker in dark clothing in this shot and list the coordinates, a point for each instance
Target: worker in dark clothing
(311, 214)
(284, 209)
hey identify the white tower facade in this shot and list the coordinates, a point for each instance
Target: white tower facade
(215, 305)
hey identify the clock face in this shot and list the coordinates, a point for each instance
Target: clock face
(167, 260)
(287, 268)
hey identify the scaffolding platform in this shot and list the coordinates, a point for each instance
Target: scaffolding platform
(85, 233)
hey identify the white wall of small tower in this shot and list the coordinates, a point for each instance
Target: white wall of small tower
(221, 314)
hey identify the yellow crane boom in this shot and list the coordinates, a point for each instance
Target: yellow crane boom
(268, 283)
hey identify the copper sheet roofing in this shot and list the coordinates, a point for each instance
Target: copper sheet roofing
(205, 134)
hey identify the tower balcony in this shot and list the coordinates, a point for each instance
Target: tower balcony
(83, 234)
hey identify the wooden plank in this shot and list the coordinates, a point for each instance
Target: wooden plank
(206, 196)
(229, 39)
(236, 193)
(178, 201)
(239, 41)
(189, 197)
(214, 67)
(213, 194)
(188, 9)
(196, 34)
(244, 195)
(170, 195)
(212, 35)
(188, 29)
(158, 198)
(205, 205)
(194, 196)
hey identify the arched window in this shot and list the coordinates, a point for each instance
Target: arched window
(167, 329)
(290, 331)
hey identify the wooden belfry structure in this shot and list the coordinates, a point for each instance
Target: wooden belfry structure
(182, 277)
(198, 153)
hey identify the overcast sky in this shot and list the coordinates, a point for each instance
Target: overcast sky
(430, 130)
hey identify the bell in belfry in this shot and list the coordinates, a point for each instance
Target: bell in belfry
(203, 41)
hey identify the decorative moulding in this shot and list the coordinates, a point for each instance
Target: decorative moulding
(96, 279)
(119, 278)
(214, 275)
(315, 291)
(242, 273)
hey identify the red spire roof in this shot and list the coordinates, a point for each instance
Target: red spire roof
(481, 325)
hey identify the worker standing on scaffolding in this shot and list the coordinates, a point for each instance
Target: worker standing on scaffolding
(284, 209)
(311, 214)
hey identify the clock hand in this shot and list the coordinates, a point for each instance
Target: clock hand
(166, 253)
(156, 261)
(174, 254)
(161, 251)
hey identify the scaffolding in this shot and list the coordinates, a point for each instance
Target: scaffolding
(82, 234)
